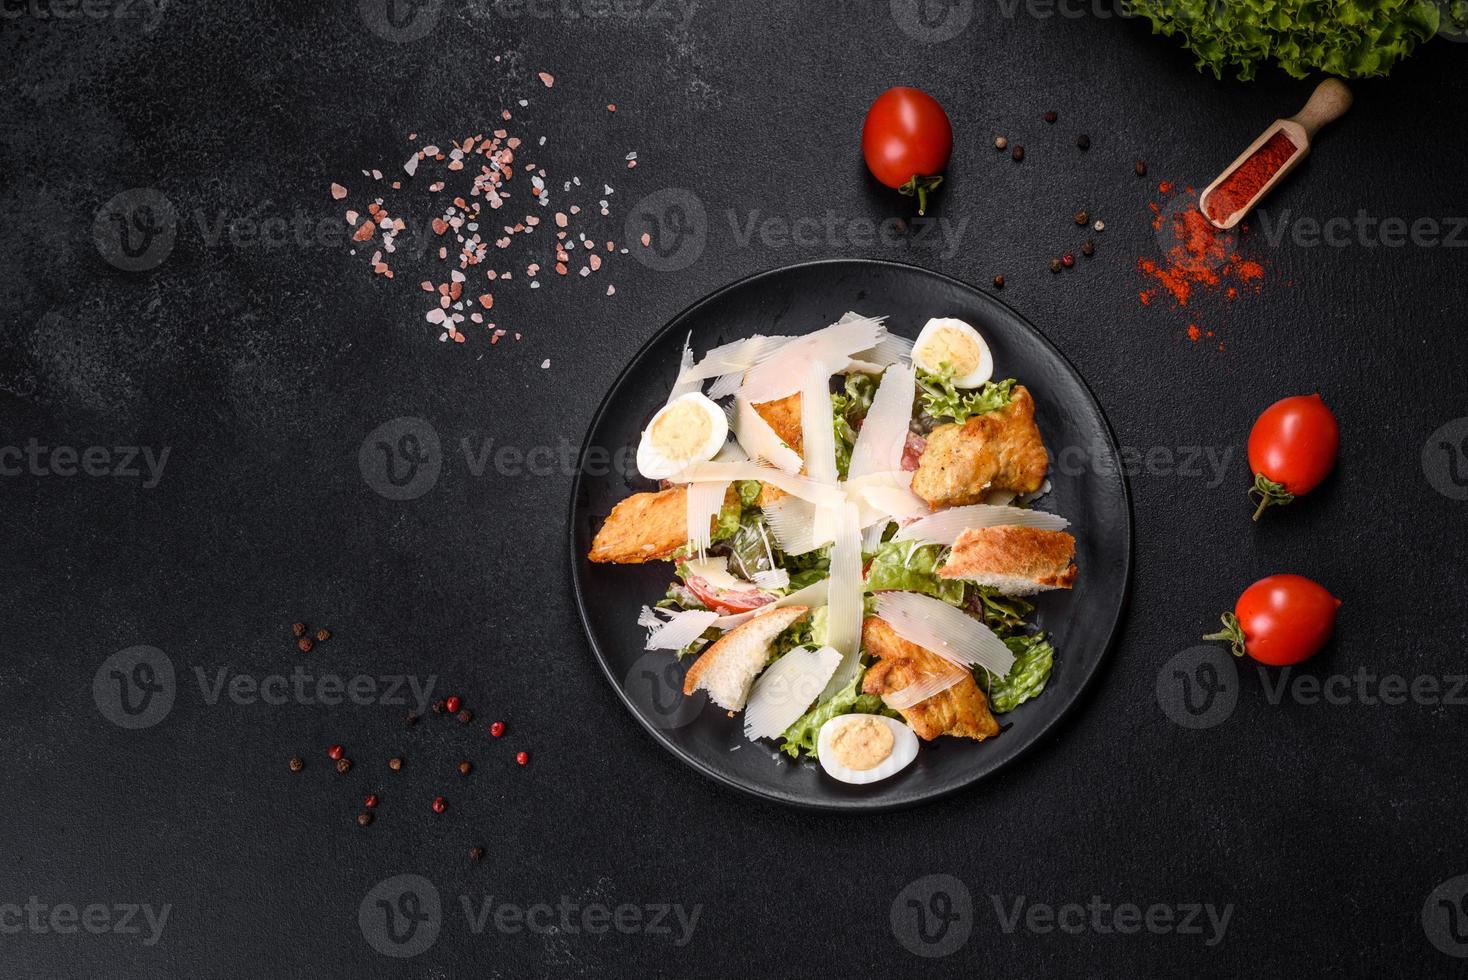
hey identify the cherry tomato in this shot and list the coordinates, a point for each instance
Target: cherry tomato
(1280, 620)
(907, 140)
(727, 601)
(1292, 447)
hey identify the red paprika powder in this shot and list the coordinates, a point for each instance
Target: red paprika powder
(1249, 178)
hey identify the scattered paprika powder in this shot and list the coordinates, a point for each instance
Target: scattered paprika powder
(1196, 259)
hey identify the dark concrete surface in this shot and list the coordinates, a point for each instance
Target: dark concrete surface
(1320, 827)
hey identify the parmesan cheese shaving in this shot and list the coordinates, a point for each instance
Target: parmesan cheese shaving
(682, 629)
(817, 434)
(940, 628)
(792, 522)
(928, 687)
(891, 349)
(760, 441)
(715, 571)
(945, 526)
(798, 486)
(785, 375)
(786, 689)
(846, 600)
(705, 500)
(685, 381)
(773, 580)
(899, 503)
(871, 538)
(737, 356)
(879, 443)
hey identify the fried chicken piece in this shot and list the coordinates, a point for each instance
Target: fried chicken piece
(995, 451)
(646, 527)
(1015, 560)
(962, 710)
(768, 494)
(784, 417)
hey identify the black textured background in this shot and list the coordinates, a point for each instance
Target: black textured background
(1326, 827)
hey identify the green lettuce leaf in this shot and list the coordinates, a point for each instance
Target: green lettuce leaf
(736, 513)
(1034, 658)
(849, 407)
(939, 399)
(1001, 613)
(911, 566)
(1352, 38)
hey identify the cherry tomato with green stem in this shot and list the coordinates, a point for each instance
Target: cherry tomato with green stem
(907, 141)
(1292, 448)
(1280, 620)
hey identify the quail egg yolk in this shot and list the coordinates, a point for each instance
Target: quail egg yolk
(681, 431)
(953, 348)
(863, 744)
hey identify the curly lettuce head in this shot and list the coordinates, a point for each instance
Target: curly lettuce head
(1351, 38)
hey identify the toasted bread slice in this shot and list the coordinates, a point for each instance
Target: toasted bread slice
(962, 710)
(998, 450)
(727, 669)
(1014, 560)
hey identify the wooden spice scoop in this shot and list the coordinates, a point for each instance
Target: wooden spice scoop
(1327, 103)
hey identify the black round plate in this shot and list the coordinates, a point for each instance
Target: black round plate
(1087, 487)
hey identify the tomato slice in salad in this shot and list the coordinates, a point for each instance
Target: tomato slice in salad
(727, 601)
